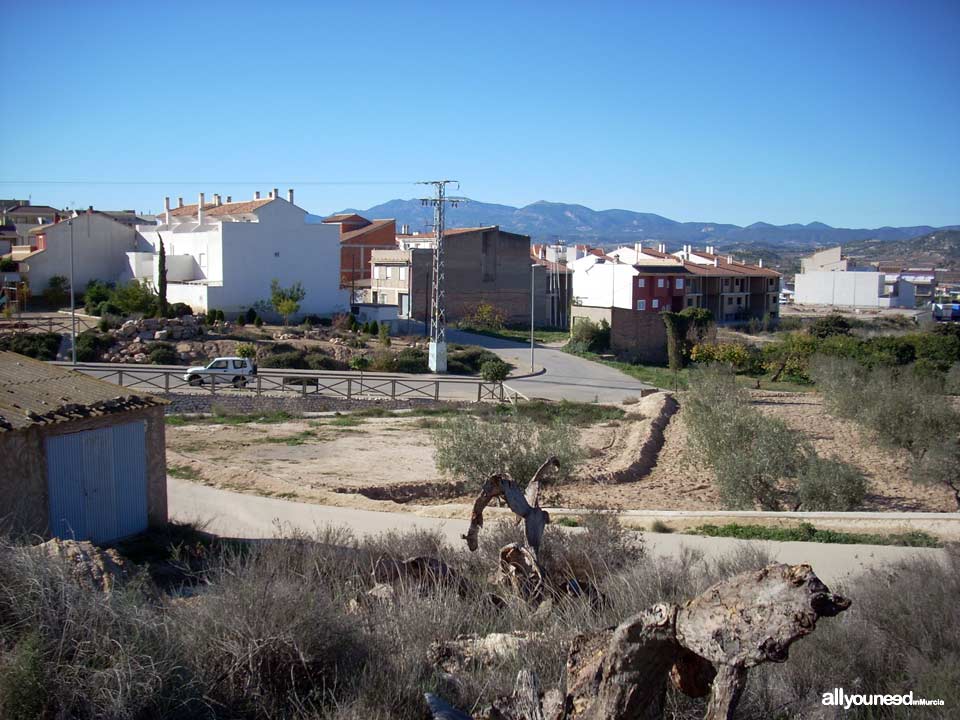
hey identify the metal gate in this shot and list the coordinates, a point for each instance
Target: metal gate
(97, 482)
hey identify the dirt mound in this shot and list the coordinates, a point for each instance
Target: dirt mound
(636, 443)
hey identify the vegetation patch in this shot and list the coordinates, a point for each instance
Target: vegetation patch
(806, 532)
(42, 346)
(269, 418)
(183, 472)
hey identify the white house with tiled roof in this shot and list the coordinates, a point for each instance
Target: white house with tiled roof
(223, 255)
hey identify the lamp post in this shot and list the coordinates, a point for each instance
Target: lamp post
(73, 308)
(532, 271)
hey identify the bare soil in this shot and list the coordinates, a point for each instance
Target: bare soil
(384, 461)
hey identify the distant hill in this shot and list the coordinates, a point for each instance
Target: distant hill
(940, 248)
(546, 221)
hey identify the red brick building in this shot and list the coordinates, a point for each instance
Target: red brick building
(359, 237)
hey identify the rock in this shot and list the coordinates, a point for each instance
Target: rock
(184, 348)
(188, 320)
(140, 357)
(161, 335)
(128, 329)
(90, 566)
(382, 592)
(454, 656)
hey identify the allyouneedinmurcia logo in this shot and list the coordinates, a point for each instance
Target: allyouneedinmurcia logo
(839, 698)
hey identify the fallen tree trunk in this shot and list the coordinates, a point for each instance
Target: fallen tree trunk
(622, 673)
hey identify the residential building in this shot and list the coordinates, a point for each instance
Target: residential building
(829, 260)
(481, 265)
(76, 460)
(25, 217)
(224, 254)
(830, 279)
(359, 237)
(645, 279)
(558, 282)
(98, 245)
(855, 289)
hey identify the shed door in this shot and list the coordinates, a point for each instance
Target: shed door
(98, 483)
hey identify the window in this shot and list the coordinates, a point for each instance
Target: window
(219, 365)
(403, 272)
(239, 364)
(389, 272)
(729, 301)
(679, 284)
(641, 304)
(656, 303)
(377, 272)
(660, 283)
(403, 300)
(642, 282)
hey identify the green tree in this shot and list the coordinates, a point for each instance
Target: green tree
(286, 301)
(384, 334)
(162, 282)
(246, 350)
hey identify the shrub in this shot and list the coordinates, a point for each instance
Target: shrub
(286, 301)
(832, 324)
(374, 328)
(246, 350)
(825, 484)
(91, 345)
(319, 361)
(7, 265)
(179, 309)
(741, 357)
(108, 307)
(951, 383)
(382, 361)
(241, 320)
(294, 360)
(57, 292)
(135, 297)
(95, 293)
(384, 334)
(468, 359)
(258, 321)
(790, 357)
(411, 360)
(494, 371)
(359, 362)
(589, 336)
(163, 353)
(42, 346)
(472, 448)
(486, 317)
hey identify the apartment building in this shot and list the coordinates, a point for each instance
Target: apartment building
(482, 265)
(647, 279)
(359, 237)
(224, 254)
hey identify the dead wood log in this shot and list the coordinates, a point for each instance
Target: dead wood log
(419, 571)
(525, 504)
(622, 673)
(524, 704)
(521, 573)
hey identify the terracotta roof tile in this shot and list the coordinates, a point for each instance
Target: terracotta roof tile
(211, 210)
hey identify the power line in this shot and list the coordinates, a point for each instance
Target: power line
(208, 182)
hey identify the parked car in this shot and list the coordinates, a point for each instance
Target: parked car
(234, 370)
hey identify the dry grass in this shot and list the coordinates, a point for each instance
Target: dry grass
(285, 629)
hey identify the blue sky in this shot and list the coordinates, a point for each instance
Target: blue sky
(843, 112)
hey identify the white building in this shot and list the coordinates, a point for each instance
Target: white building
(855, 289)
(224, 255)
(602, 282)
(99, 243)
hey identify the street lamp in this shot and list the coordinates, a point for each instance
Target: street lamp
(73, 308)
(532, 269)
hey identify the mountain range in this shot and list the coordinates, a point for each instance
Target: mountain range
(549, 221)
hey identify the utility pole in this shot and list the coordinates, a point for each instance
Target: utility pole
(438, 316)
(73, 303)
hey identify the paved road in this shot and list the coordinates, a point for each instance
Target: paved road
(250, 516)
(567, 377)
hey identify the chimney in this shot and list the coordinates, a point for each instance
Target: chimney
(200, 210)
(662, 247)
(166, 210)
(638, 249)
(760, 262)
(229, 199)
(216, 200)
(275, 194)
(90, 210)
(179, 202)
(716, 262)
(290, 196)
(256, 195)
(730, 259)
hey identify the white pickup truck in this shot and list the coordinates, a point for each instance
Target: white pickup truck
(234, 370)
